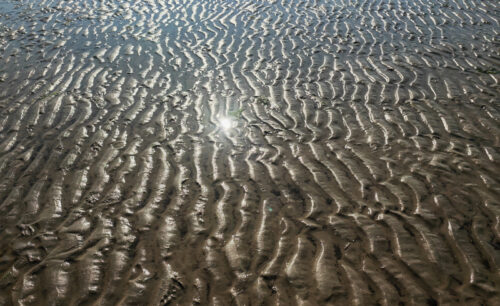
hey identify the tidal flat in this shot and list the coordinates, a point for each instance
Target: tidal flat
(246, 152)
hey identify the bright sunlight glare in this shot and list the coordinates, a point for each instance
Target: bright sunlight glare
(226, 123)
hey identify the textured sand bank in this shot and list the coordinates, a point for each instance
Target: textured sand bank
(249, 152)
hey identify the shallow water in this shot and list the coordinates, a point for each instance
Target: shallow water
(249, 152)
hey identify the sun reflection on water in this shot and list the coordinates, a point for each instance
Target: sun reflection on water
(226, 123)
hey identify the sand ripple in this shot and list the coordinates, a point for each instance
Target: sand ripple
(249, 152)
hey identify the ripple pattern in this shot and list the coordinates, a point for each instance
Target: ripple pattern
(232, 152)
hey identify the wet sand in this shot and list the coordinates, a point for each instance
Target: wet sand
(249, 152)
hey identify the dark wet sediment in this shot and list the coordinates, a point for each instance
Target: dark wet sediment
(249, 152)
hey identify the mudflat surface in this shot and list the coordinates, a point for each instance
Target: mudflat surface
(249, 152)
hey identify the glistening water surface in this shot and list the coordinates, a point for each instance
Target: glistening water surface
(249, 152)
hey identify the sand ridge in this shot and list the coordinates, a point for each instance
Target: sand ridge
(249, 152)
